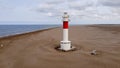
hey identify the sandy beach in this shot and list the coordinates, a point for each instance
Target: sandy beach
(36, 49)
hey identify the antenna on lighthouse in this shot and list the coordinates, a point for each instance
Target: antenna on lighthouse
(65, 44)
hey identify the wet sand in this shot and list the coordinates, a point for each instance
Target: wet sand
(36, 49)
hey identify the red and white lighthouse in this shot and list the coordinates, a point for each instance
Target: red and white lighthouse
(65, 44)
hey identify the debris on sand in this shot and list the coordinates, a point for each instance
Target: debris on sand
(93, 52)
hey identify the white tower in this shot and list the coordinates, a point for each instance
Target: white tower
(65, 44)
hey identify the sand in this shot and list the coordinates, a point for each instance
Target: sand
(36, 49)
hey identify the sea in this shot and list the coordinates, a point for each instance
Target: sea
(7, 30)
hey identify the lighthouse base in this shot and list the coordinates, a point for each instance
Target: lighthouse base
(66, 46)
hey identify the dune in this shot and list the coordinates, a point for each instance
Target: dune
(37, 49)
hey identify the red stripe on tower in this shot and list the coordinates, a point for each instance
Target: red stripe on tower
(65, 25)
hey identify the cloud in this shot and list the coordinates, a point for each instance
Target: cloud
(111, 3)
(95, 9)
(40, 10)
(45, 7)
(80, 5)
(55, 1)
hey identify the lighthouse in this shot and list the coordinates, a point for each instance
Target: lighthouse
(65, 44)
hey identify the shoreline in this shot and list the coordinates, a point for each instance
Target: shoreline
(34, 31)
(31, 32)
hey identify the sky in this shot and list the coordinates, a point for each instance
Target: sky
(51, 11)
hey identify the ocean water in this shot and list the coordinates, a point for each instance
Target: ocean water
(7, 30)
